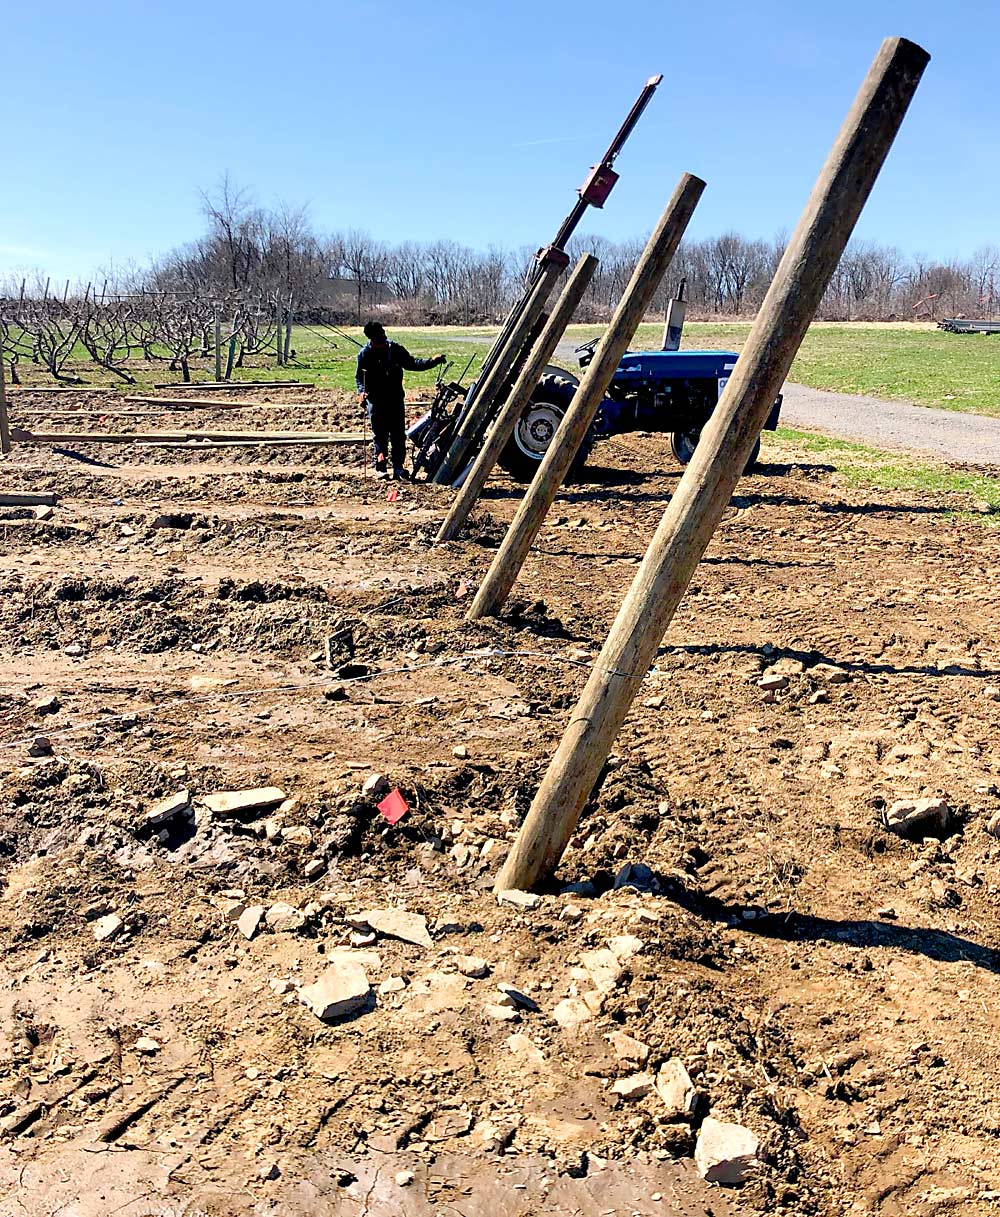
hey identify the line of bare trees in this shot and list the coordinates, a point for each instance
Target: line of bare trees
(351, 273)
(253, 270)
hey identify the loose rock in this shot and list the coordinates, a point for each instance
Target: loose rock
(725, 1153)
(235, 802)
(472, 965)
(166, 809)
(632, 1088)
(341, 990)
(518, 899)
(284, 918)
(249, 920)
(628, 1049)
(675, 1088)
(105, 928)
(918, 817)
(396, 923)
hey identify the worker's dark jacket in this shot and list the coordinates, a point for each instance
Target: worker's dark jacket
(380, 371)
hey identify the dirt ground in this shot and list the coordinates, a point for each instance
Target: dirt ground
(218, 621)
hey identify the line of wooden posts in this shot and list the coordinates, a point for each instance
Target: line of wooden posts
(694, 511)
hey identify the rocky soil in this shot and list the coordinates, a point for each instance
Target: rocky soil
(778, 915)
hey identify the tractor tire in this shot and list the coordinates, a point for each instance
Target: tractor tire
(683, 444)
(538, 423)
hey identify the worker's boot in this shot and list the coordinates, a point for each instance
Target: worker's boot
(381, 468)
(399, 474)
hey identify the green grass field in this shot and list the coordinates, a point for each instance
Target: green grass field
(912, 363)
(915, 363)
(863, 466)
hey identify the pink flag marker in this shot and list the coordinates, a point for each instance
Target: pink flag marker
(393, 807)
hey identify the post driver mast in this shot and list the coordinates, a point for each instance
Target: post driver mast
(470, 421)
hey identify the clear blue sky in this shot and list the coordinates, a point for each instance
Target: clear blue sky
(474, 120)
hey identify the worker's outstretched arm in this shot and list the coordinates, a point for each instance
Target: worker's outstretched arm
(412, 364)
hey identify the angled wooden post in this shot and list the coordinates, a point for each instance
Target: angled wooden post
(4, 420)
(520, 395)
(709, 480)
(660, 248)
(485, 394)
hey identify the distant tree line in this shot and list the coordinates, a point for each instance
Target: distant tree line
(276, 253)
(254, 269)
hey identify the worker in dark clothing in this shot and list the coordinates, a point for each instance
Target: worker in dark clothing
(381, 364)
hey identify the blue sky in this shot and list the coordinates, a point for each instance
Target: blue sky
(474, 121)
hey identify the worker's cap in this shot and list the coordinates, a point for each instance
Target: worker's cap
(374, 329)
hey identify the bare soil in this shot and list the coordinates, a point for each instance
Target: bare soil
(828, 984)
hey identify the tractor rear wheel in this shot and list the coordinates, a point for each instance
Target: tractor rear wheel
(683, 444)
(534, 430)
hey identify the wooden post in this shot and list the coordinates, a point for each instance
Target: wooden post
(520, 395)
(278, 336)
(660, 248)
(704, 491)
(230, 357)
(485, 394)
(288, 330)
(218, 347)
(4, 420)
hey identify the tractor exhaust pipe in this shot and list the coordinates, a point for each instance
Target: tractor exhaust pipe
(673, 325)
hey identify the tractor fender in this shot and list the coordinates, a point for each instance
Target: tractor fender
(550, 369)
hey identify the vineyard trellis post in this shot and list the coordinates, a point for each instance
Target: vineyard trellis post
(700, 500)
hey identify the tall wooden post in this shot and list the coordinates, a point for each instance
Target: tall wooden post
(4, 420)
(709, 480)
(288, 330)
(231, 353)
(485, 394)
(279, 339)
(218, 346)
(520, 395)
(656, 257)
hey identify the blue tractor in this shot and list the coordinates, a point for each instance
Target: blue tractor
(664, 391)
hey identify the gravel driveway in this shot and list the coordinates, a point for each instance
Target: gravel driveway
(970, 438)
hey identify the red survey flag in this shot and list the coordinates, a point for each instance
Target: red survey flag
(393, 807)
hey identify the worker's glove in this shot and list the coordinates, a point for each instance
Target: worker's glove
(440, 359)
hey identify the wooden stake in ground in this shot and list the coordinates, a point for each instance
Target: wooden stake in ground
(4, 421)
(486, 393)
(656, 257)
(218, 347)
(520, 395)
(709, 480)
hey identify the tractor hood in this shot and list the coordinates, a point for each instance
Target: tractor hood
(675, 365)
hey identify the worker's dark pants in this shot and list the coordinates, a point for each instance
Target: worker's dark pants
(388, 420)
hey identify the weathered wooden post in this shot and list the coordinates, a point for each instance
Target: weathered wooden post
(485, 394)
(660, 248)
(4, 420)
(218, 346)
(231, 354)
(278, 335)
(520, 395)
(288, 330)
(701, 497)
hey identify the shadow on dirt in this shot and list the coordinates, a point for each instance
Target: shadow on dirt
(811, 658)
(848, 509)
(86, 460)
(938, 945)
